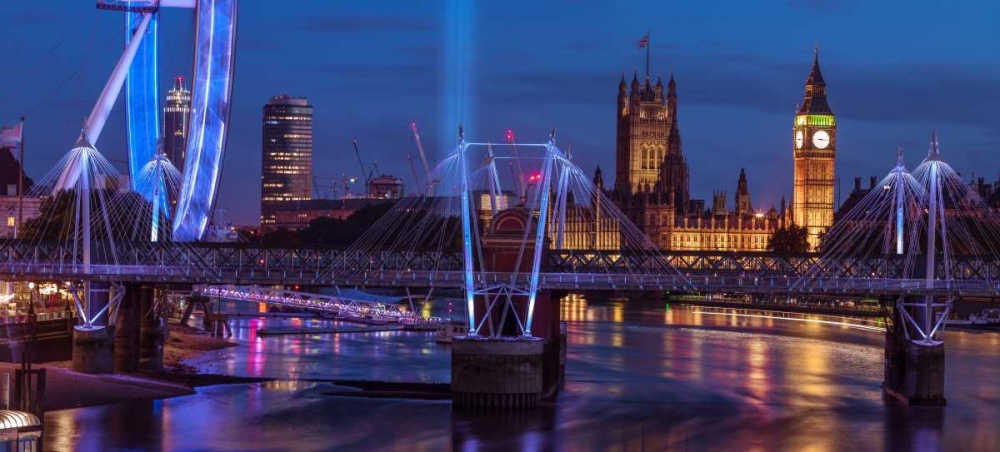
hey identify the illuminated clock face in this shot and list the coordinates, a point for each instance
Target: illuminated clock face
(821, 139)
(798, 140)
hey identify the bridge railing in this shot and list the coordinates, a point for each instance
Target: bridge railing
(227, 263)
(706, 283)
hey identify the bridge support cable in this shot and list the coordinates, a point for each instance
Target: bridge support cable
(926, 233)
(561, 219)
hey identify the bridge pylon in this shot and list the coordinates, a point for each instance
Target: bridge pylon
(911, 235)
(513, 327)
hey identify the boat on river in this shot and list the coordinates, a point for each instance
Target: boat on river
(989, 319)
(450, 330)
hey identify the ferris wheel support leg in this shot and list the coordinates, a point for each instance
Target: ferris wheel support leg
(99, 114)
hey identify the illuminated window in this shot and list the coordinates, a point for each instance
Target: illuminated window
(10, 221)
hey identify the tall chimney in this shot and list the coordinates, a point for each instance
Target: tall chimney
(857, 183)
(871, 183)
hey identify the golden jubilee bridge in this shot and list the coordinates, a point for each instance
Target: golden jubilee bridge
(749, 272)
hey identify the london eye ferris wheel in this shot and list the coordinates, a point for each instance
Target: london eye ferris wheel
(212, 81)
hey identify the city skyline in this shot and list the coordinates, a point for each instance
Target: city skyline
(380, 67)
(557, 279)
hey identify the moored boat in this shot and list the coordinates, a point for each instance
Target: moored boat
(451, 330)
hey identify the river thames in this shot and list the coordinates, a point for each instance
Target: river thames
(639, 377)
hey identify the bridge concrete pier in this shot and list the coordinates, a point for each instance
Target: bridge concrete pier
(920, 381)
(496, 373)
(152, 332)
(914, 368)
(126, 332)
(138, 332)
(93, 349)
(151, 339)
(93, 345)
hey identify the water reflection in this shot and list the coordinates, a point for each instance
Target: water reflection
(639, 377)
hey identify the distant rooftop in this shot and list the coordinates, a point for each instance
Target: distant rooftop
(285, 99)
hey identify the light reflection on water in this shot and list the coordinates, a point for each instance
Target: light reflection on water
(639, 377)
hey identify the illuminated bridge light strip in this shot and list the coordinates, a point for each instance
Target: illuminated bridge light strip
(880, 329)
(324, 303)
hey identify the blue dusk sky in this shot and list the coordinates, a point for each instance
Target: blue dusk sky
(894, 70)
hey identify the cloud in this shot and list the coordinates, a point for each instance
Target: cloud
(899, 93)
(358, 23)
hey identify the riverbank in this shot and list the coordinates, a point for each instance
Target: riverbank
(389, 389)
(65, 389)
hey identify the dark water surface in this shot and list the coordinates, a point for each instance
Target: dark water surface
(638, 378)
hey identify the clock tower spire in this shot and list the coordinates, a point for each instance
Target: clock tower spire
(814, 147)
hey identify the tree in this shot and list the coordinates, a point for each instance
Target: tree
(128, 215)
(789, 240)
(281, 237)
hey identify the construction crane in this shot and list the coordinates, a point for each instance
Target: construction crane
(416, 178)
(420, 147)
(367, 174)
(517, 162)
(423, 158)
(321, 187)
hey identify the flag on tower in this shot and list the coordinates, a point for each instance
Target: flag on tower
(10, 136)
(644, 42)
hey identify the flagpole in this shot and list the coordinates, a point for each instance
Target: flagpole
(20, 184)
(648, 45)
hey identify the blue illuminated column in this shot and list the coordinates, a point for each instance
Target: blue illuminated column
(543, 209)
(210, 105)
(470, 288)
(142, 99)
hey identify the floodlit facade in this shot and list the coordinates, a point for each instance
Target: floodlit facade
(652, 184)
(176, 115)
(814, 141)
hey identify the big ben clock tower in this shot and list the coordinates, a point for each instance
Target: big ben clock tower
(814, 142)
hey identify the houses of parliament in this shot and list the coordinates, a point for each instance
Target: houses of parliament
(652, 181)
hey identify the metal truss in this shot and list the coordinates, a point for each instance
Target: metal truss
(704, 271)
(115, 291)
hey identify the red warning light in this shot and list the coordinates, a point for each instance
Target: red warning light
(534, 178)
(510, 135)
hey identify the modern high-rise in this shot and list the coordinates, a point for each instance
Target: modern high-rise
(287, 155)
(814, 150)
(176, 116)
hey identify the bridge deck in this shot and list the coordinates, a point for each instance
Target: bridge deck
(702, 271)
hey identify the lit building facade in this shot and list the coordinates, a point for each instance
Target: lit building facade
(12, 206)
(176, 116)
(287, 155)
(385, 187)
(814, 142)
(652, 182)
(587, 226)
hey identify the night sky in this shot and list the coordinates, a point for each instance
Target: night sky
(894, 70)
